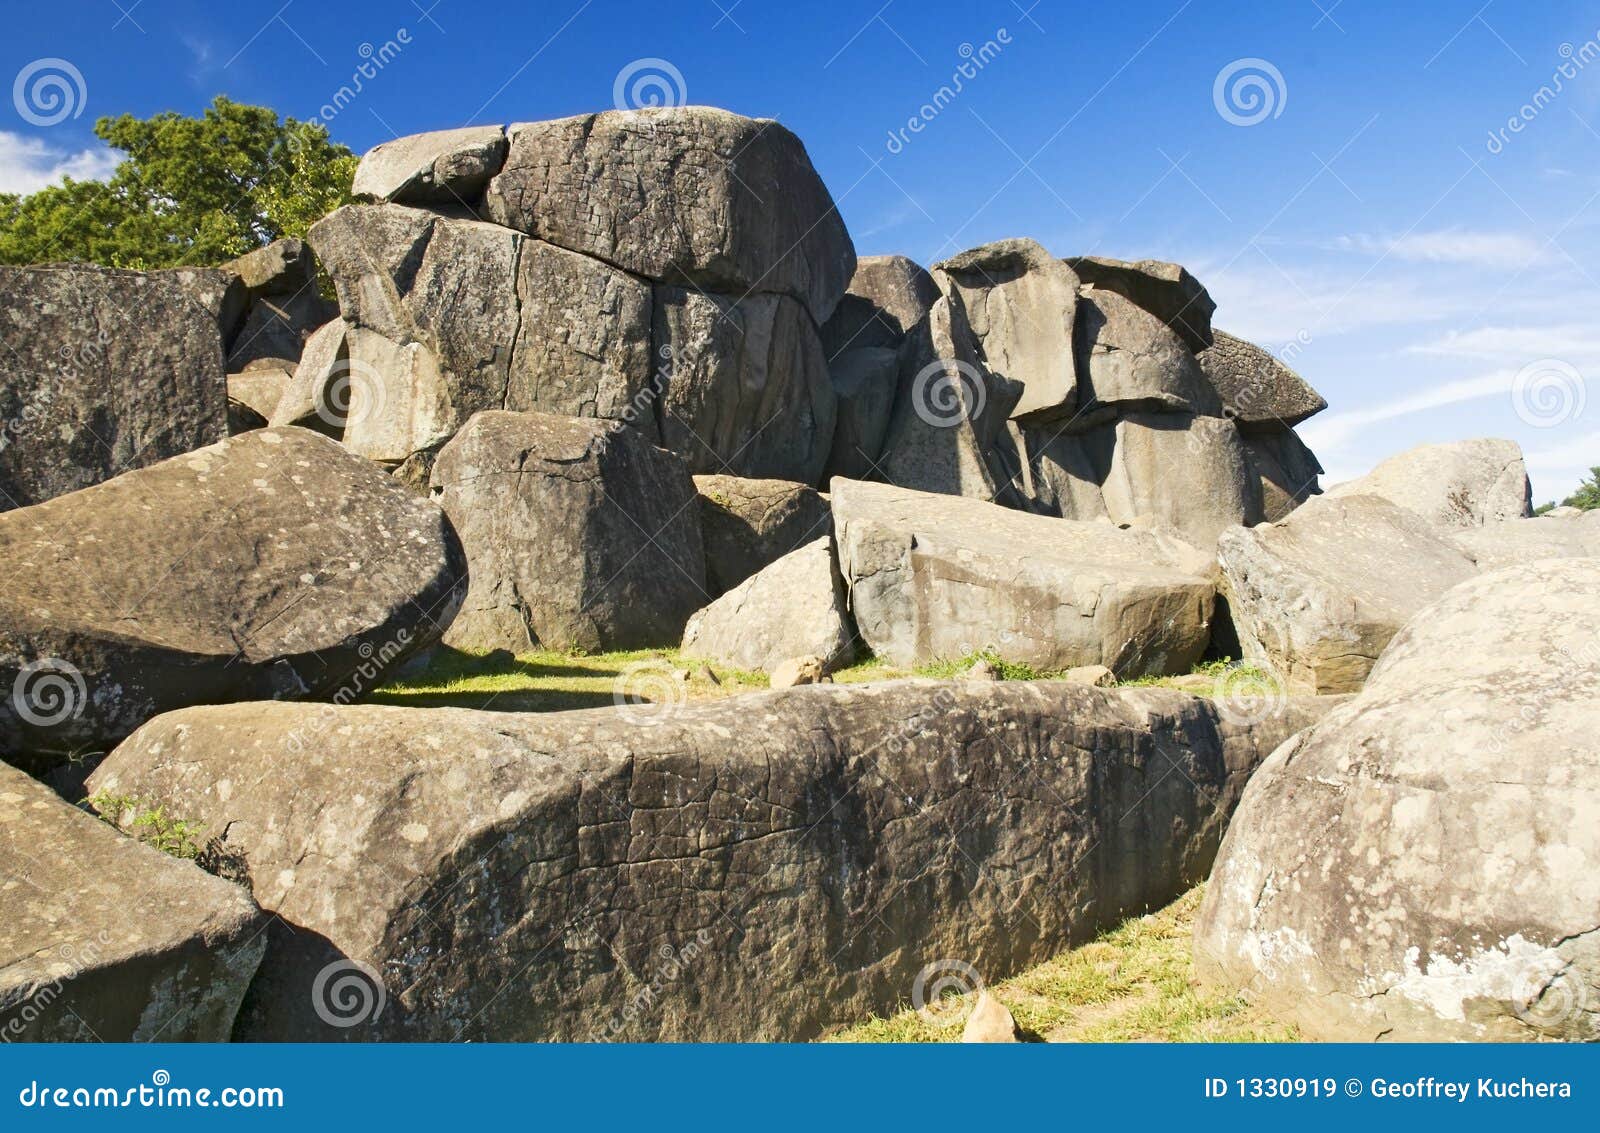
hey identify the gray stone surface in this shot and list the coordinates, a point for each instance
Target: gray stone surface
(865, 382)
(1508, 542)
(317, 394)
(283, 267)
(1258, 391)
(1189, 474)
(274, 564)
(749, 524)
(803, 854)
(579, 534)
(1129, 360)
(1287, 469)
(1166, 290)
(940, 577)
(1460, 484)
(690, 195)
(795, 607)
(1317, 597)
(888, 295)
(443, 167)
(1421, 866)
(103, 939)
(107, 371)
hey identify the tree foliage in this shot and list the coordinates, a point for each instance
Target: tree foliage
(190, 191)
(1587, 496)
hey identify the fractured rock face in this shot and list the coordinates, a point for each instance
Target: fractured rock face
(578, 533)
(1286, 468)
(1130, 360)
(939, 577)
(107, 371)
(104, 939)
(1258, 391)
(865, 382)
(443, 167)
(274, 564)
(887, 297)
(692, 196)
(750, 524)
(1317, 597)
(1462, 484)
(1165, 290)
(793, 608)
(765, 866)
(1512, 541)
(1421, 865)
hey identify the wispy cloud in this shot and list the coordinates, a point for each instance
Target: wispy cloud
(1572, 342)
(1334, 431)
(29, 164)
(1448, 246)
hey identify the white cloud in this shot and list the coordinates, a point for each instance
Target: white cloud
(1572, 342)
(1333, 431)
(29, 164)
(1449, 246)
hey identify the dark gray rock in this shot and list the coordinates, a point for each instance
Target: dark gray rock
(1287, 469)
(888, 295)
(865, 382)
(1164, 289)
(283, 267)
(1258, 391)
(579, 534)
(749, 524)
(274, 564)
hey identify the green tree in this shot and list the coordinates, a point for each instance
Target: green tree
(1588, 494)
(190, 191)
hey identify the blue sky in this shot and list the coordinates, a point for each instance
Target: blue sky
(1434, 281)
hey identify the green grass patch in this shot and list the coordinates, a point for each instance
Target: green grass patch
(1134, 983)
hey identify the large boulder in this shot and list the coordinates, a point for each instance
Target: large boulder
(1424, 864)
(105, 371)
(749, 524)
(1460, 484)
(1512, 541)
(274, 564)
(283, 305)
(939, 577)
(756, 867)
(1191, 475)
(441, 167)
(103, 939)
(283, 267)
(794, 608)
(865, 382)
(579, 533)
(318, 392)
(743, 385)
(887, 296)
(1317, 597)
(1286, 469)
(1020, 303)
(1165, 290)
(1258, 391)
(692, 196)
(1129, 360)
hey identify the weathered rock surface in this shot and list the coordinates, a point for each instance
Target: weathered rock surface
(744, 385)
(276, 328)
(258, 390)
(1286, 469)
(1020, 303)
(1258, 391)
(107, 370)
(938, 577)
(1165, 290)
(1462, 484)
(865, 382)
(317, 395)
(579, 533)
(990, 1022)
(692, 196)
(1508, 542)
(274, 564)
(792, 608)
(283, 267)
(749, 524)
(514, 876)
(1317, 597)
(1191, 475)
(888, 295)
(1130, 360)
(103, 939)
(443, 167)
(1421, 865)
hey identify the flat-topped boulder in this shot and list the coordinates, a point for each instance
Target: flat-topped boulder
(1421, 866)
(938, 577)
(749, 524)
(1460, 484)
(760, 867)
(692, 196)
(274, 564)
(104, 939)
(579, 534)
(1164, 289)
(1258, 391)
(1318, 596)
(105, 371)
(441, 167)
(796, 607)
